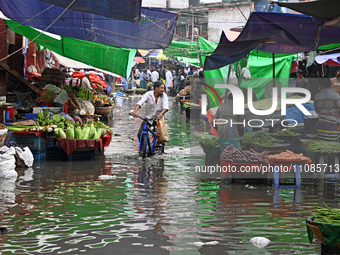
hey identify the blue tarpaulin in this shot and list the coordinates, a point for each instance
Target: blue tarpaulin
(117, 9)
(154, 31)
(275, 33)
(294, 113)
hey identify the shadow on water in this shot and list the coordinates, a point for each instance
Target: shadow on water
(156, 206)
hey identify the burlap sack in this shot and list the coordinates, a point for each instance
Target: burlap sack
(162, 131)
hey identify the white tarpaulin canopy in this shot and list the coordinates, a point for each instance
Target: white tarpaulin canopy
(76, 64)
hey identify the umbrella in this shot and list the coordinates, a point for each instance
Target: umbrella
(161, 55)
(143, 53)
(158, 54)
(139, 60)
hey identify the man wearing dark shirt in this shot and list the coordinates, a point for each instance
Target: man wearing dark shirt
(327, 106)
(301, 82)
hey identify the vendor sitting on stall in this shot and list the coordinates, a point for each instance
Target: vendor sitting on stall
(184, 92)
(327, 106)
(69, 96)
(87, 84)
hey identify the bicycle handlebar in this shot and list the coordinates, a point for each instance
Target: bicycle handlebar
(146, 119)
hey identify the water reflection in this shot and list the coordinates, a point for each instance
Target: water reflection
(157, 206)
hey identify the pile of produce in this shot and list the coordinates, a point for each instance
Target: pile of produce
(287, 156)
(85, 94)
(186, 105)
(327, 215)
(207, 139)
(286, 132)
(87, 132)
(45, 123)
(141, 89)
(150, 84)
(259, 138)
(104, 98)
(234, 155)
(323, 146)
(57, 123)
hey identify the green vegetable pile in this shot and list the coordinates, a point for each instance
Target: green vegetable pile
(141, 89)
(186, 105)
(207, 139)
(286, 132)
(87, 132)
(327, 215)
(323, 146)
(85, 94)
(259, 137)
(45, 119)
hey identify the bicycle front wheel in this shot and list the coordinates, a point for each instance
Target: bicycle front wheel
(144, 146)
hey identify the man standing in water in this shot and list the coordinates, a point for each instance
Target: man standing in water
(336, 82)
(156, 104)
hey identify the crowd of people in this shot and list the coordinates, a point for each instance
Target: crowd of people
(173, 79)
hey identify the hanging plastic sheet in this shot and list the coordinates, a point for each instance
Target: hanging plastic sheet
(154, 31)
(275, 33)
(117, 9)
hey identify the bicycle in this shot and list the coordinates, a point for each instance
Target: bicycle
(149, 145)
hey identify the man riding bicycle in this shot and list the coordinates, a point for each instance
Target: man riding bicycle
(156, 104)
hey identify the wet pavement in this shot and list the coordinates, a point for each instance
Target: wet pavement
(156, 206)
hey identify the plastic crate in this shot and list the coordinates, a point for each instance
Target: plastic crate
(97, 153)
(31, 116)
(192, 112)
(78, 155)
(53, 153)
(52, 141)
(31, 141)
(9, 136)
(39, 155)
(310, 125)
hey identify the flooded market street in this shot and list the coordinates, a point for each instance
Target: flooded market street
(156, 206)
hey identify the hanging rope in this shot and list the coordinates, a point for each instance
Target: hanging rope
(40, 33)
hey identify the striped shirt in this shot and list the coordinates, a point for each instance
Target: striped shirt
(327, 104)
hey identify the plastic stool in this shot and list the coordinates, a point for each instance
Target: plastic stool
(297, 177)
(322, 157)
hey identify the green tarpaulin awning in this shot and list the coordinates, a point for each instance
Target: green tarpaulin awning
(106, 57)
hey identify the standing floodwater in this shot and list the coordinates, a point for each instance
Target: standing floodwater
(156, 206)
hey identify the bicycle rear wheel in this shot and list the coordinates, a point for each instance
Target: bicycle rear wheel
(144, 146)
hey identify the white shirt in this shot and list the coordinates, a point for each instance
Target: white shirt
(85, 83)
(153, 108)
(154, 76)
(168, 78)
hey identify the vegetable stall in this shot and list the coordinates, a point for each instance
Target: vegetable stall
(325, 226)
(254, 153)
(59, 136)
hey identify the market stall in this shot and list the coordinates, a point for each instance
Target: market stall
(325, 226)
(59, 136)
